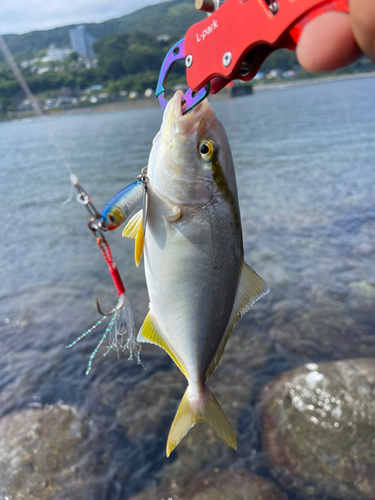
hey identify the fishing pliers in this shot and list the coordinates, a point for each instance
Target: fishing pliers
(235, 39)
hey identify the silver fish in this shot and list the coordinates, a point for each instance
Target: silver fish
(198, 283)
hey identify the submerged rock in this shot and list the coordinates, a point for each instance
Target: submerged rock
(39, 453)
(150, 404)
(322, 332)
(217, 485)
(319, 428)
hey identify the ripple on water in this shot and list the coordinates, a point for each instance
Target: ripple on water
(306, 193)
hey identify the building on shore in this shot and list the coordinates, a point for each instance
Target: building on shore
(56, 54)
(82, 42)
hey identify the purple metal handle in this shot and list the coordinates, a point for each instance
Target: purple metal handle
(191, 98)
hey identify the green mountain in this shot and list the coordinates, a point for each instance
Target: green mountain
(171, 18)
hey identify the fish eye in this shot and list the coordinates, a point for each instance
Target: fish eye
(206, 149)
(111, 218)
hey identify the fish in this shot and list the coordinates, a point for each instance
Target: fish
(198, 283)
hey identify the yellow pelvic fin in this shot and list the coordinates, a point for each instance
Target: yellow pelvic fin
(134, 230)
(150, 333)
(251, 288)
(205, 410)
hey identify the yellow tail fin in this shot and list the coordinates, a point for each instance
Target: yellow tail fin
(206, 410)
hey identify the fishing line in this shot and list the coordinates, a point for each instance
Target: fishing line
(121, 324)
(25, 87)
(72, 177)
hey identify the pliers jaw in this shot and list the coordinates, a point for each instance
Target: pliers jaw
(191, 98)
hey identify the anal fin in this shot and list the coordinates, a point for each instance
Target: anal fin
(251, 287)
(151, 334)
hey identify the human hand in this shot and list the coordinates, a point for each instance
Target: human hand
(336, 39)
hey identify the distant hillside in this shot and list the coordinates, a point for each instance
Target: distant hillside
(170, 18)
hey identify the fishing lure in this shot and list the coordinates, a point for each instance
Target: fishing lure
(122, 205)
(120, 332)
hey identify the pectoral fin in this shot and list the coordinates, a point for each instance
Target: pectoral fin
(251, 287)
(134, 230)
(151, 334)
(175, 211)
(175, 215)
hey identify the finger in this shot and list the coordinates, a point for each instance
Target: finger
(327, 43)
(362, 16)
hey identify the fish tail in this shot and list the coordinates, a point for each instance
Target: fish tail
(205, 409)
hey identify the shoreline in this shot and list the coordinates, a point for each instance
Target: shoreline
(224, 94)
(311, 81)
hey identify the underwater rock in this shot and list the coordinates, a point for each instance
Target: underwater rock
(151, 403)
(361, 293)
(321, 333)
(39, 454)
(319, 428)
(217, 485)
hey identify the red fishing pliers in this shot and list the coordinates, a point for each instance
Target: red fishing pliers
(235, 39)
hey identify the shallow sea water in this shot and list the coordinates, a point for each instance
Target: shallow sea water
(304, 161)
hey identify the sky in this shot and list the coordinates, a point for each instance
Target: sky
(22, 16)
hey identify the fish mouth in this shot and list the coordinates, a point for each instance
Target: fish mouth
(187, 123)
(177, 102)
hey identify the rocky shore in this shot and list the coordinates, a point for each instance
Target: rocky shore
(317, 425)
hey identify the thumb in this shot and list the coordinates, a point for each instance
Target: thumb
(362, 17)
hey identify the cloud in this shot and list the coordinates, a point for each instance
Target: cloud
(21, 16)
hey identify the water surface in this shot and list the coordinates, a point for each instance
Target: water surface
(304, 161)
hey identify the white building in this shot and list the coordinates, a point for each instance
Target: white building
(45, 69)
(56, 54)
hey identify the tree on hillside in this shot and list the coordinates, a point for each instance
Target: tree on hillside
(110, 51)
(120, 55)
(72, 57)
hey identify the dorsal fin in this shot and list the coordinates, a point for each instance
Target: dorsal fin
(151, 334)
(134, 230)
(251, 287)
